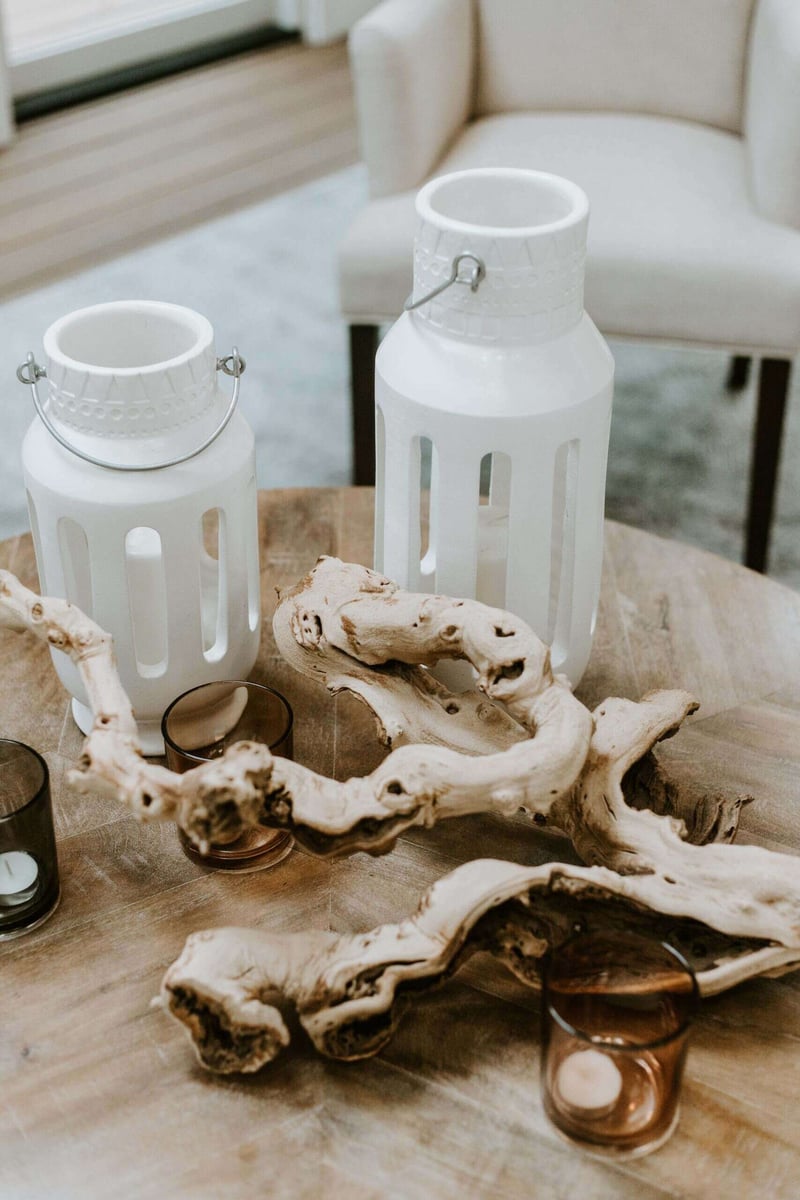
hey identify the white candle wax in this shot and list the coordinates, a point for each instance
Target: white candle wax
(588, 1083)
(18, 876)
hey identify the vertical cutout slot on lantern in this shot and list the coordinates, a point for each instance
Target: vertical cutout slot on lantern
(425, 450)
(414, 523)
(75, 564)
(413, 486)
(493, 529)
(147, 597)
(37, 543)
(253, 576)
(213, 593)
(380, 471)
(562, 549)
(428, 509)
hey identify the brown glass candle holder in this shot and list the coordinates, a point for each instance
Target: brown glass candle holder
(616, 1013)
(29, 887)
(199, 726)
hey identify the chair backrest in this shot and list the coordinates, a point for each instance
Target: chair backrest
(674, 58)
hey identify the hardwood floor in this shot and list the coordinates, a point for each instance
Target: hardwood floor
(99, 180)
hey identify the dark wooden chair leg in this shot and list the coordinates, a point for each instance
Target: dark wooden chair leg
(738, 373)
(363, 348)
(773, 385)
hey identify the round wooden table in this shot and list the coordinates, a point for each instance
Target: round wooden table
(101, 1094)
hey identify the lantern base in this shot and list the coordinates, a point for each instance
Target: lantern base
(150, 738)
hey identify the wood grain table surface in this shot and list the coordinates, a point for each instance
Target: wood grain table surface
(100, 1094)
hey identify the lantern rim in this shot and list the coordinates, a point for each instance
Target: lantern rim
(191, 322)
(550, 185)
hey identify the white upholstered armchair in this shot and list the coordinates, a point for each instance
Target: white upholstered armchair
(680, 119)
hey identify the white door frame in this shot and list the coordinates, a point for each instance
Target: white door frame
(6, 111)
(319, 21)
(96, 53)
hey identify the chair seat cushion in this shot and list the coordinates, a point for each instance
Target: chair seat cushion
(676, 250)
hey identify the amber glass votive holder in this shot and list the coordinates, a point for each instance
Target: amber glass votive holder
(198, 727)
(29, 887)
(616, 1012)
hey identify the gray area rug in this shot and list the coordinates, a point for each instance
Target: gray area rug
(266, 278)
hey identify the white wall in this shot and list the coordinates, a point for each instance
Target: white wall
(321, 20)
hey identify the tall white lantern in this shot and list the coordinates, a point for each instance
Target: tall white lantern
(498, 372)
(140, 475)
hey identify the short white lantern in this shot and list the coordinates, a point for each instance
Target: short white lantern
(496, 365)
(140, 475)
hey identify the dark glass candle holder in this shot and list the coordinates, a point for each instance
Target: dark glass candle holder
(29, 887)
(200, 726)
(616, 1013)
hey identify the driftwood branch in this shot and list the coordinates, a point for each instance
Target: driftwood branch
(350, 991)
(519, 741)
(522, 737)
(249, 786)
(734, 911)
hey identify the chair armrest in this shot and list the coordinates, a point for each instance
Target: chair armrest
(413, 68)
(772, 110)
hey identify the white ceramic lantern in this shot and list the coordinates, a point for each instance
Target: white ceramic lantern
(496, 365)
(141, 487)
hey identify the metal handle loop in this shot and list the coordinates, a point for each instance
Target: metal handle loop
(30, 373)
(474, 279)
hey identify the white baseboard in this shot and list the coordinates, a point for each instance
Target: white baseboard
(186, 25)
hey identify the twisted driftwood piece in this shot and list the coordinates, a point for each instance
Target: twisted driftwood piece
(412, 786)
(342, 617)
(552, 758)
(249, 786)
(350, 991)
(734, 912)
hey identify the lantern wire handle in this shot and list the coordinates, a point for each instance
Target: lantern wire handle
(30, 372)
(473, 279)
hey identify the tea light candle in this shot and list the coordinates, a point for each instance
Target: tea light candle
(18, 876)
(589, 1083)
